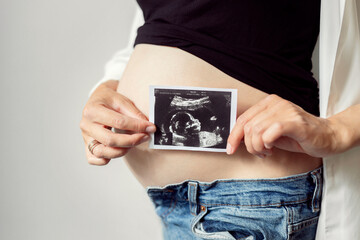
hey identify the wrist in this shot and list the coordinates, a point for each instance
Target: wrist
(113, 84)
(342, 135)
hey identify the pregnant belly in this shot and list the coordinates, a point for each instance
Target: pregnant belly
(163, 65)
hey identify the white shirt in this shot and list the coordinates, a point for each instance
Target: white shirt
(339, 82)
(339, 89)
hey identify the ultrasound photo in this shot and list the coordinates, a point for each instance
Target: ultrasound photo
(192, 118)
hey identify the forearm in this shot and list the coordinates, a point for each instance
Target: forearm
(346, 126)
(113, 84)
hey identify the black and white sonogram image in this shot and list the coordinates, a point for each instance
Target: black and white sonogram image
(193, 118)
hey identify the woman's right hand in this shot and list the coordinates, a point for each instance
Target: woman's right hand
(107, 109)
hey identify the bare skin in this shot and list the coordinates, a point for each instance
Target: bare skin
(274, 148)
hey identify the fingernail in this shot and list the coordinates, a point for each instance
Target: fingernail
(268, 152)
(267, 146)
(261, 156)
(228, 149)
(145, 138)
(150, 129)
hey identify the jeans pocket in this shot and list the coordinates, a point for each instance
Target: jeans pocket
(164, 207)
(210, 224)
(304, 230)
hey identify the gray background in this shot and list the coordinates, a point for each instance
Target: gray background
(52, 53)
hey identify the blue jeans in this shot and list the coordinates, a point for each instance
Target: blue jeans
(233, 209)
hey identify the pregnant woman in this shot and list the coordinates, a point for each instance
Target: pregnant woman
(269, 184)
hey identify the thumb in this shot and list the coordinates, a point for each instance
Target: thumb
(125, 106)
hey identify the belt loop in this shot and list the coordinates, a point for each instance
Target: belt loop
(318, 180)
(192, 195)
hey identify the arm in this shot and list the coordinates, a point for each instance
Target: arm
(115, 67)
(275, 122)
(347, 128)
(107, 109)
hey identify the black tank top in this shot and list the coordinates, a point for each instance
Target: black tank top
(265, 44)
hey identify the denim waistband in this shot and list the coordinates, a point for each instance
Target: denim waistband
(305, 187)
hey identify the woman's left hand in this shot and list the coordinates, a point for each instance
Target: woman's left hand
(276, 122)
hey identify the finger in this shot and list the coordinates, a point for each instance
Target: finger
(255, 128)
(90, 157)
(123, 105)
(258, 126)
(258, 146)
(111, 139)
(288, 144)
(117, 120)
(102, 151)
(284, 135)
(235, 138)
(261, 106)
(237, 132)
(248, 140)
(101, 155)
(257, 143)
(93, 160)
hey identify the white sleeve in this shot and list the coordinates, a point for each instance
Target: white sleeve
(114, 68)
